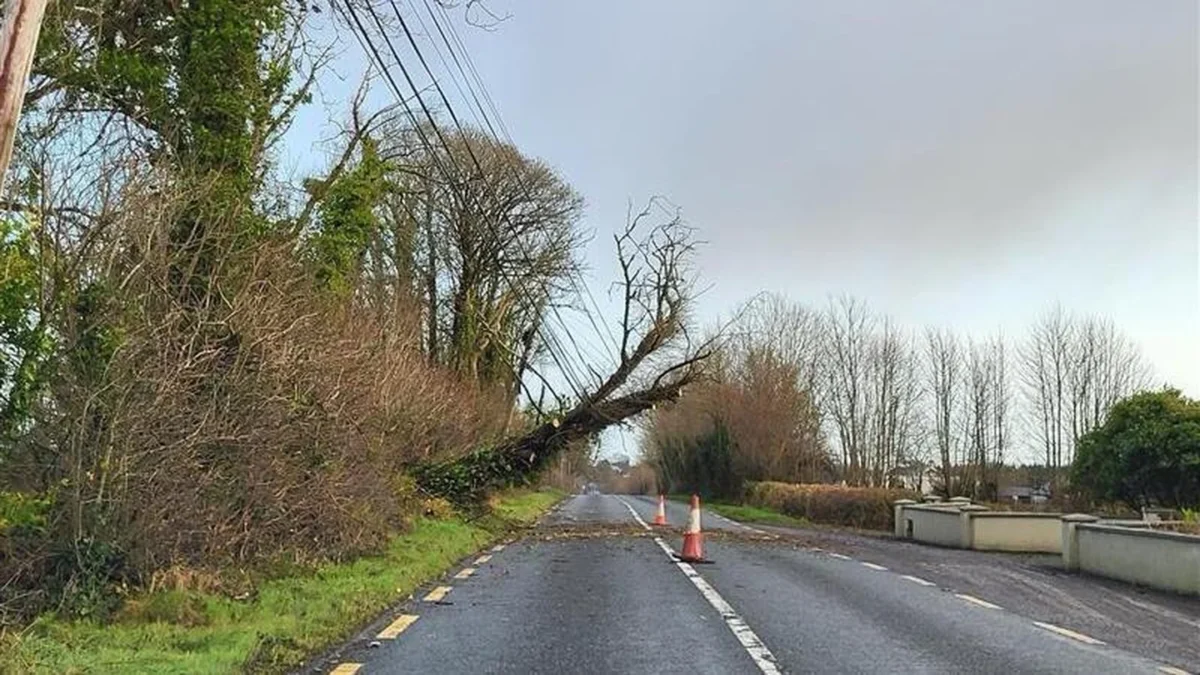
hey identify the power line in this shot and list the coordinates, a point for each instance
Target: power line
(470, 152)
(364, 39)
(581, 289)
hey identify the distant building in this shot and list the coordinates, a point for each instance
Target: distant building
(1025, 494)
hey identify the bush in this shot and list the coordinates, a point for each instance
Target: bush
(701, 464)
(1146, 453)
(182, 431)
(863, 508)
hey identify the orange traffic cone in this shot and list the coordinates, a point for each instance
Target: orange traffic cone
(693, 540)
(660, 518)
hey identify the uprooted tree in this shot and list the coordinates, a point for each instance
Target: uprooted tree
(657, 358)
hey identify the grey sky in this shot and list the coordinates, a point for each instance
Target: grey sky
(957, 163)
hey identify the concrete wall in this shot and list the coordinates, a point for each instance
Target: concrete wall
(963, 525)
(1017, 532)
(1164, 560)
(939, 525)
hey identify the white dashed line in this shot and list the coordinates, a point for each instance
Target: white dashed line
(497, 548)
(873, 566)
(482, 559)
(1068, 633)
(839, 556)
(976, 601)
(1172, 670)
(438, 594)
(917, 580)
(465, 572)
(759, 653)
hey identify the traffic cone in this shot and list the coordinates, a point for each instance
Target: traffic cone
(693, 540)
(660, 518)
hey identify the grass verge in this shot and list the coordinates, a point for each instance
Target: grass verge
(747, 514)
(284, 622)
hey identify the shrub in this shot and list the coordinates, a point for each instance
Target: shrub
(1146, 453)
(267, 420)
(22, 511)
(859, 507)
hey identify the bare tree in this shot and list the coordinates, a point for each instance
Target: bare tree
(1105, 367)
(1073, 371)
(943, 371)
(1046, 367)
(894, 398)
(657, 357)
(985, 415)
(847, 351)
(1001, 401)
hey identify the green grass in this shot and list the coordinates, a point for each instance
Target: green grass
(523, 507)
(288, 620)
(748, 514)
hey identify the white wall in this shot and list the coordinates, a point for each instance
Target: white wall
(1163, 560)
(1016, 532)
(935, 525)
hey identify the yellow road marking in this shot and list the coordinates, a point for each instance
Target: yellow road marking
(346, 669)
(397, 627)
(437, 594)
(497, 548)
(974, 600)
(482, 559)
(1068, 633)
(466, 572)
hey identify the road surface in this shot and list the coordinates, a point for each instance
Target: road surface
(594, 590)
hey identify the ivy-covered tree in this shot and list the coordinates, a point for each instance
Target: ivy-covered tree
(1147, 452)
(24, 343)
(348, 221)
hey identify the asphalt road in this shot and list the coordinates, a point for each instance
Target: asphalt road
(594, 591)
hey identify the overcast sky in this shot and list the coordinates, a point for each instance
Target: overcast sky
(965, 164)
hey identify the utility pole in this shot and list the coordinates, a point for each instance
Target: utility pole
(18, 41)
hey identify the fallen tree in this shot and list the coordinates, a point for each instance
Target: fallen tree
(657, 359)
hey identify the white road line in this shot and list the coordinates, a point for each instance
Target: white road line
(482, 559)
(497, 548)
(839, 556)
(917, 580)
(1068, 633)
(1172, 670)
(976, 601)
(873, 566)
(635, 514)
(465, 572)
(759, 653)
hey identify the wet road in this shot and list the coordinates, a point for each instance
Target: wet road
(594, 590)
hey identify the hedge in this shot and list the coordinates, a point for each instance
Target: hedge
(860, 507)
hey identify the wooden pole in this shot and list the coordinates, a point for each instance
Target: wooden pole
(18, 41)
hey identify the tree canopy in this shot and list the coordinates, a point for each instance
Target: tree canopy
(1147, 452)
